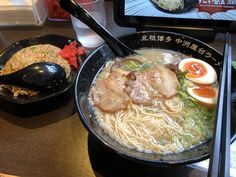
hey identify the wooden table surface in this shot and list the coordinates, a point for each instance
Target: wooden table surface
(53, 143)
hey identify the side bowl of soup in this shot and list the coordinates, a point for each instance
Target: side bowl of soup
(153, 123)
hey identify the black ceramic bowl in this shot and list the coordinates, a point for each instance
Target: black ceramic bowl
(162, 40)
(188, 4)
(44, 101)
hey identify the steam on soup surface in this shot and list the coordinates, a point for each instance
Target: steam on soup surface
(143, 102)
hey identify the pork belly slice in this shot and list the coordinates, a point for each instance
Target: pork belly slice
(156, 82)
(108, 93)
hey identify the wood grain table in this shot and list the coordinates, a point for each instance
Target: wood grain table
(56, 143)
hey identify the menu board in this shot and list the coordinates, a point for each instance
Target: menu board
(185, 9)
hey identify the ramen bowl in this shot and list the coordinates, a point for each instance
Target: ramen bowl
(146, 39)
(174, 8)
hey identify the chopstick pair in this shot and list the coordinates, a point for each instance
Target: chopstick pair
(220, 153)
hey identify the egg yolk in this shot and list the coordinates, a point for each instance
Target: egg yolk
(195, 69)
(205, 91)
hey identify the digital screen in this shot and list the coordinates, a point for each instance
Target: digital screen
(185, 9)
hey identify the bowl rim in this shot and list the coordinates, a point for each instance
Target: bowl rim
(108, 146)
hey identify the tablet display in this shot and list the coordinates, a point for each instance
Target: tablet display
(219, 15)
(189, 9)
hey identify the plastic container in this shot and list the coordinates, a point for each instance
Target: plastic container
(22, 13)
(55, 12)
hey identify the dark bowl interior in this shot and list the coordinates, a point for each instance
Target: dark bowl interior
(151, 39)
(44, 101)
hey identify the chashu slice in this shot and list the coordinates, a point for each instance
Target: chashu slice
(159, 81)
(108, 93)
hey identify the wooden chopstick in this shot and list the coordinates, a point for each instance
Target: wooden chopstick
(220, 153)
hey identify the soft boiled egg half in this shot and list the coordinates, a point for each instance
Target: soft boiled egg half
(198, 71)
(205, 94)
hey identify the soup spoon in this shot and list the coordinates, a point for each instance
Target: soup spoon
(37, 76)
(80, 13)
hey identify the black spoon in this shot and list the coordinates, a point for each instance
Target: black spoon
(38, 76)
(77, 11)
